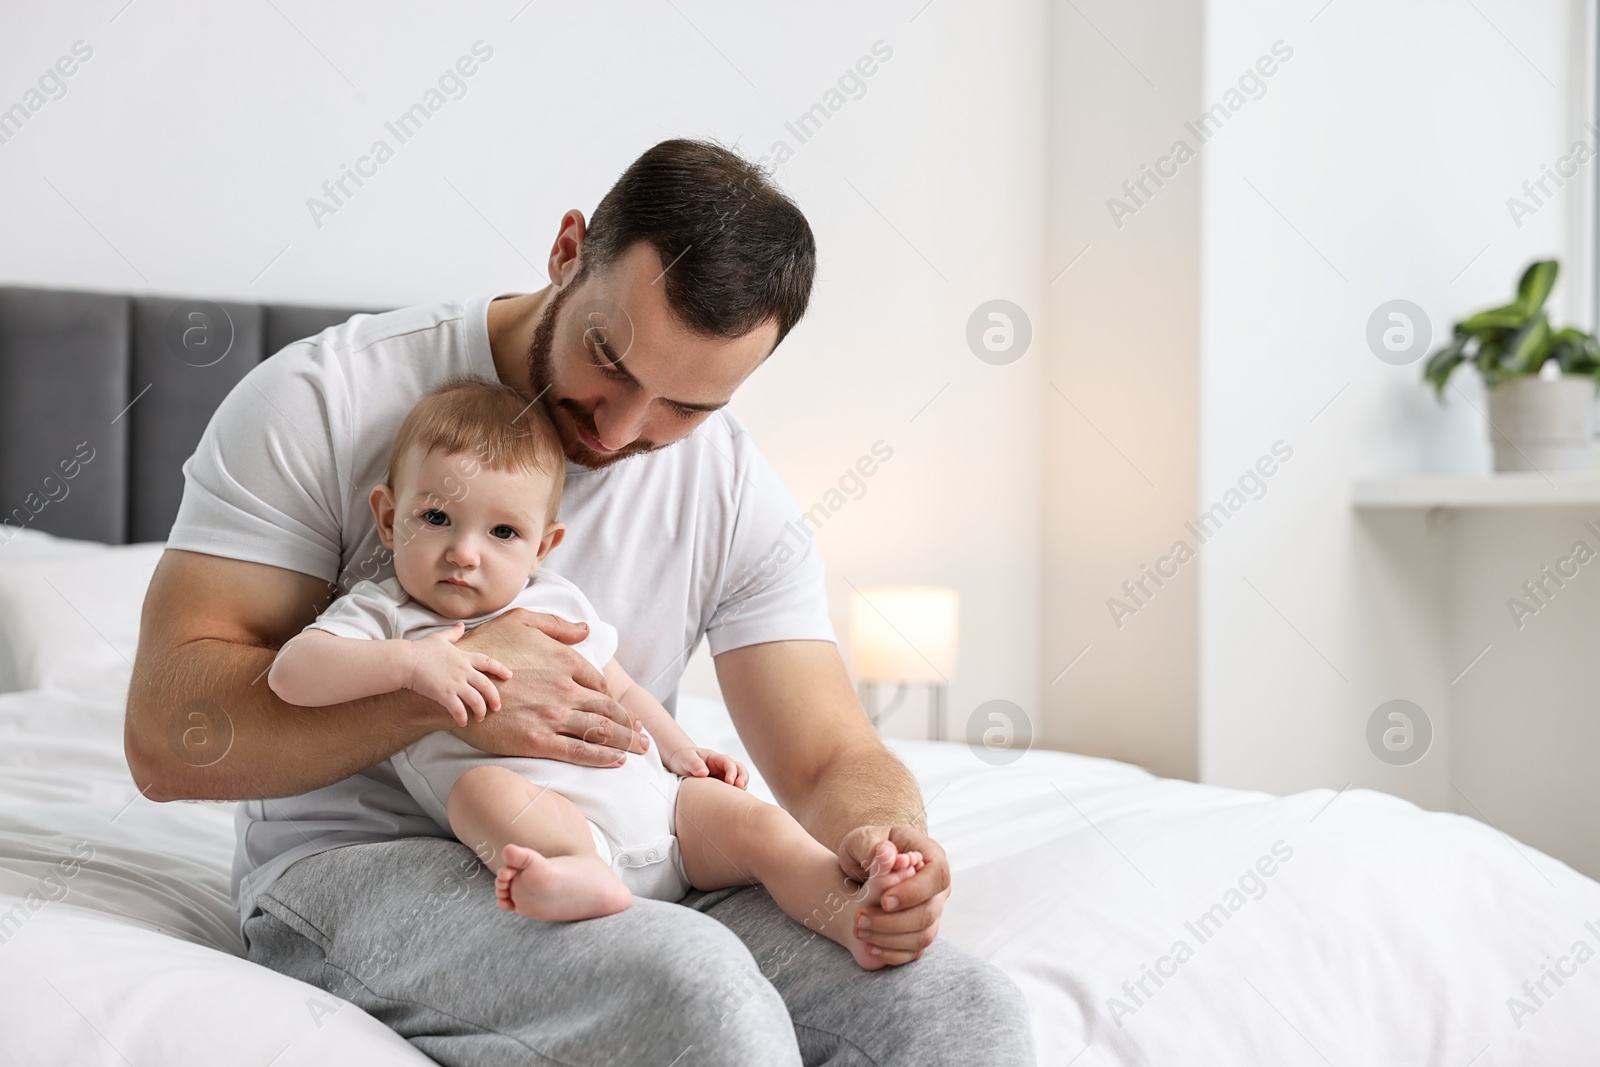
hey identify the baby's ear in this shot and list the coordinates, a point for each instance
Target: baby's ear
(554, 534)
(382, 502)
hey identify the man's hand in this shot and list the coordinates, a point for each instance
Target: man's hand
(555, 706)
(907, 920)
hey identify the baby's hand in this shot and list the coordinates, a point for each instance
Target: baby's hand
(695, 762)
(457, 679)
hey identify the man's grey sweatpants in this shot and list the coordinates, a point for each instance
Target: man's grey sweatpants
(409, 931)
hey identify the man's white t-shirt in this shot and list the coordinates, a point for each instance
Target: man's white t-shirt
(699, 540)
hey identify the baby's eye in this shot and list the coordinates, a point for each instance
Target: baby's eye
(435, 517)
(503, 532)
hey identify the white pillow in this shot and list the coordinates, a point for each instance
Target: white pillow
(87, 988)
(69, 610)
(19, 546)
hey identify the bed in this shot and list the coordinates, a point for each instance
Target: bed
(1147, 920)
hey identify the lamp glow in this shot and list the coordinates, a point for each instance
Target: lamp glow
(904, 633)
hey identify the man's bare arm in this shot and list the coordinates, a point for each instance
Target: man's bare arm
(210, 629)
(798, 715)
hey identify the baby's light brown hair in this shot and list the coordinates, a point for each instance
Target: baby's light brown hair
(490, 421)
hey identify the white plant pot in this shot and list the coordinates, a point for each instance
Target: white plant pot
(1542, 424)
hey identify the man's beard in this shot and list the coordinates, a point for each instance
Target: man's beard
(562, 409)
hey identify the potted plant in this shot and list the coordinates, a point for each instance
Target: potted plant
(1538, 421)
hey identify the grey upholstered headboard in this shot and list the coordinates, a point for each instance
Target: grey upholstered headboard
(103, 397)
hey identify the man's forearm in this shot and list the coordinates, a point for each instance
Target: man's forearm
(870, 787)
(793, 703)
(204, 725)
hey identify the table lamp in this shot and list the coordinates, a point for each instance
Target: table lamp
(905, 634)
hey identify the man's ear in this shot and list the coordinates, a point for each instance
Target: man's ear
(382, 502)
(564, 252)
(554, 534)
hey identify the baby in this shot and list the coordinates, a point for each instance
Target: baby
(469, 512)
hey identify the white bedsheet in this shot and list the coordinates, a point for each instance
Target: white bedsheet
(1383, 934)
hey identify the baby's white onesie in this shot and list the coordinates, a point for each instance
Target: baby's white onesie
(630, 809)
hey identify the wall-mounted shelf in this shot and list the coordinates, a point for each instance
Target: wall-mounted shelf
(1510, 490)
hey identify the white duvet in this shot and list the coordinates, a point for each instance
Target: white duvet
(1148, 921)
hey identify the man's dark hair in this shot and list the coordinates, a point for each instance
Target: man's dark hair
(736, 249)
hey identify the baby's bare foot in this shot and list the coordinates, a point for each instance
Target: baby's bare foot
(887, 868)
(886, 860)
(558, 888)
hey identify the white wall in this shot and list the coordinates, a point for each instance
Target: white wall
(1524, 733)
(1376, 167)
(181, 158)
(1121, 399)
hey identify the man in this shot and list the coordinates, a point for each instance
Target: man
(695, 267)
